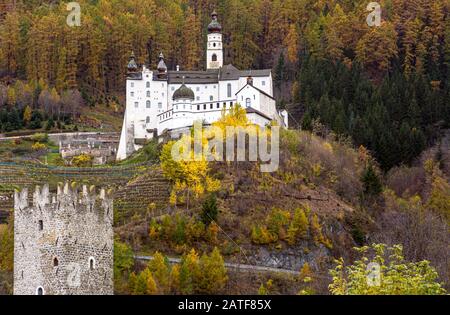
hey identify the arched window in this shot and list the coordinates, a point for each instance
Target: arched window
(40, 291)
(91, 263)
(147, 104)
(248, 102)
(148, 84)
(229, 89)
(41, 225)
(147, 120)
(214, 57)
(55, 262)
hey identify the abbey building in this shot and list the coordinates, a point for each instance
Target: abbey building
(163, 100)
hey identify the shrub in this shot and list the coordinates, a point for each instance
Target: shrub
(316, 232)
(38, 146)
(384, 273)
(277, 222)
(82, 160)
(261, 236)
(123, 262)
(209, 209)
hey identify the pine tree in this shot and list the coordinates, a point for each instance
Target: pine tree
(209, 209)
(280, 71)
(371, 181)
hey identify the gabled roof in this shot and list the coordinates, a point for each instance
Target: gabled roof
(251, 110)
(230, 72)
(227, 72)
(260, 91)
(256, 73)
(193, 77)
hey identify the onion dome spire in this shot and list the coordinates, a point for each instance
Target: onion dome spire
(162, 68)
(214, 26)
(132, 65)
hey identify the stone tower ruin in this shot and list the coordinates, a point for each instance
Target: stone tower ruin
(63, 242)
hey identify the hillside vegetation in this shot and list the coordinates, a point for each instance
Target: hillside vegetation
(325, 199)
(387, 87)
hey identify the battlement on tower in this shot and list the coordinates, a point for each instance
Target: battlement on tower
(55, 232)
(79, 197)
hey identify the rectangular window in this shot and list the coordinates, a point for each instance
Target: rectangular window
(218, 105)
(263, 83)
(229, 90)
(159, 105)
(132, 84)
(198, 107)
(136, 104)
(204, 107)
(132, 94)
(41, 225)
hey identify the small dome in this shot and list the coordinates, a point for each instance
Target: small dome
(214, 26)
(132, 65)
(183, 93)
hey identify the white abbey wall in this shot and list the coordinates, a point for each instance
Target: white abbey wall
(150, 104)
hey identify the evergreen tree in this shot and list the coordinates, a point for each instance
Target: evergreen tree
(209, 209)
(371, 181)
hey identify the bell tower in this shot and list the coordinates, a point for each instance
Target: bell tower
(214, 50)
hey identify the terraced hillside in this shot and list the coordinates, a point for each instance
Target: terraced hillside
(14, 175)
(147, 194)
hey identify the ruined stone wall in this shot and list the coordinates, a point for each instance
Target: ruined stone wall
(63, 243)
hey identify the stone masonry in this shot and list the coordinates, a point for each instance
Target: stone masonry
(63, 243)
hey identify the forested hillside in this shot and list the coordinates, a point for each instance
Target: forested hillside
(387, 87)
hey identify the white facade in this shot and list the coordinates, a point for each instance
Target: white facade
(154, 103)
(214, 51)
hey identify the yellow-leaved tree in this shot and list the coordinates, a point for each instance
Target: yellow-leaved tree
(383, 270)
(188, 170)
